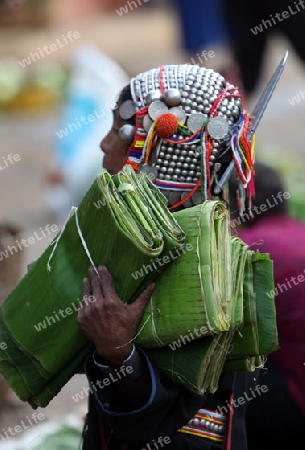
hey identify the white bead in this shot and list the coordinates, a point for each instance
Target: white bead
(202, 423)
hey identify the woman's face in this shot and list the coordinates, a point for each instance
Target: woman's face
(114, 148)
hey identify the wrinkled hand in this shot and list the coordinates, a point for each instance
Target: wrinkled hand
(108, 322)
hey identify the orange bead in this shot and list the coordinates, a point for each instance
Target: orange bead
(166, 125)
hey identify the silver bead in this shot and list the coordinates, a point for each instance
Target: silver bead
(189, 179)
(179, 164)
(168, 177)
(172, 97)
(212, 158)
(170, 150)
(215, 151)
(188, 160)
(182, 178)
(208, 425)
(161, 154)
(172, 164)
(161, 176)
(163, 170)
(166, 162)
(184, 173)
(170, 170)
(212, 426)
(177, 171)
(127, 133)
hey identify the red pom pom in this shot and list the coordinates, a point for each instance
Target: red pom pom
(166, 125)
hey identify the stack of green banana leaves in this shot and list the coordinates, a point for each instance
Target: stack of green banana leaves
(198, 362)
(199, 298)
(122, 223)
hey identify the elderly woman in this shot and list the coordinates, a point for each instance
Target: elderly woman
(175, 123)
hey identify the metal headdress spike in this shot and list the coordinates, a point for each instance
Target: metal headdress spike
(256, 117)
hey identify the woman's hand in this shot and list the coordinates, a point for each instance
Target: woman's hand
(108, 322)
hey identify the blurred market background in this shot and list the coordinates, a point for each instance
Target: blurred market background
(41, 103)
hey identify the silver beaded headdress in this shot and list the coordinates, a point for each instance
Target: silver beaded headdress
(189, 127)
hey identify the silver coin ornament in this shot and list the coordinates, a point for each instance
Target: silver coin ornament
(174, 197)
(156, 109)
(127, 133)
(188, 203)
(196, 198)
(195, 122)
(150, 171)
(179, 113)
(172, 97)
(153, 96)
(127, 110)
(218, 127)
(147, 123)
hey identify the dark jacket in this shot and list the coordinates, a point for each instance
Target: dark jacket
(169, 407)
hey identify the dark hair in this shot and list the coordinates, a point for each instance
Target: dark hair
(268, 185)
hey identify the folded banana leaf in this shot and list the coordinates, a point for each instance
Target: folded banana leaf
(259, 333)
(197, 364)
(194, 292)
(45, 346)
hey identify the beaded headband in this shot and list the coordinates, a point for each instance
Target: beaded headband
(189, 127)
